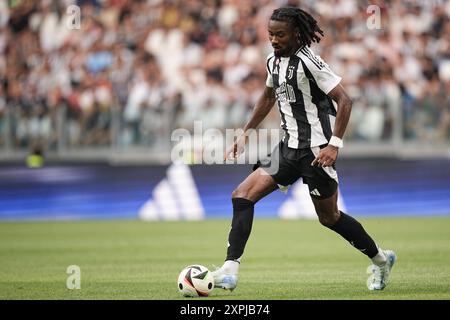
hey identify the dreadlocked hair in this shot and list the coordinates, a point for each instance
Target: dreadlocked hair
(306, 24)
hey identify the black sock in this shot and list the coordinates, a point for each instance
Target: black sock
(353, 232)
(241, 226)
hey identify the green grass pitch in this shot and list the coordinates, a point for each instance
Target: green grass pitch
(283, 259)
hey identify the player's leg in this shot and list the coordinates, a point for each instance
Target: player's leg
(266, 178)
(256, 186)
(323, 186)
(351, 230)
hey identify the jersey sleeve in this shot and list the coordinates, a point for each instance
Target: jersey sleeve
(325, 78)
(269, 79)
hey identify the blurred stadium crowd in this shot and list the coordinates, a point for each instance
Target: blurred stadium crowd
(135, 70)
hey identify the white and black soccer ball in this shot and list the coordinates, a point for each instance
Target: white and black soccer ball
(195, 281)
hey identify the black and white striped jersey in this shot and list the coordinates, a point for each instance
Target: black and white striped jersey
(301, 83)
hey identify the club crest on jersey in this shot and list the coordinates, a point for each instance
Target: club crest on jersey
(290, 72)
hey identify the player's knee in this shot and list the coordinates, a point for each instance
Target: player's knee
(240, 193)
(244, 193)
(328, 219)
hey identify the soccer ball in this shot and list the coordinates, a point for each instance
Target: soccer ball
(195, 281)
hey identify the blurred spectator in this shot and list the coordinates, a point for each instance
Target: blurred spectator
(142, 68)
(2, 116)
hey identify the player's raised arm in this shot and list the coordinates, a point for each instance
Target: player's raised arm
(260, 111)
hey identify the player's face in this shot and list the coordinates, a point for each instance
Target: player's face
(283, 38)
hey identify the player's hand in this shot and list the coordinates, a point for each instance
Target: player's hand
(237, 148)
(327, 156)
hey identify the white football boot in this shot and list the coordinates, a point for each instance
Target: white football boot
(380, 274)
(224, 280)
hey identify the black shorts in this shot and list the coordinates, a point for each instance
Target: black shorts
(286, 165)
